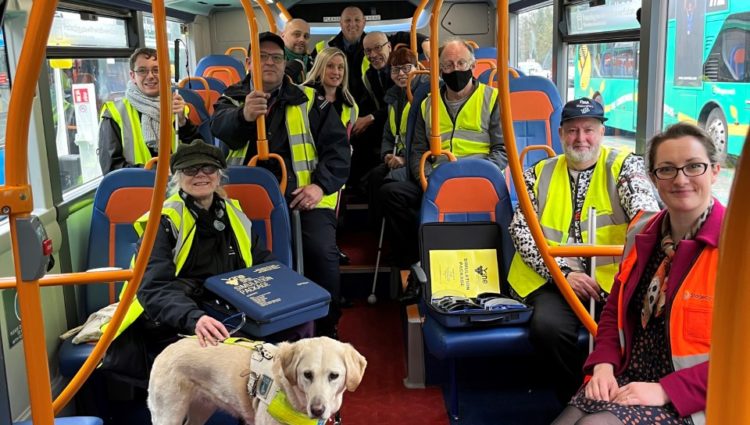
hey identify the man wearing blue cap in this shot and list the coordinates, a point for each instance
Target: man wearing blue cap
(562, 190)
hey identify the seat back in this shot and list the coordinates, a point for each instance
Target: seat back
(536, 107)
(198, 115)
(203, 89)
(222, 67)
(470, 190)
(216, 85)
(261, 200)
(121, 198)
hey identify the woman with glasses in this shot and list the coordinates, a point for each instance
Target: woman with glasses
(650, 362)
(393, 145)
(329, 78)
(202, 233)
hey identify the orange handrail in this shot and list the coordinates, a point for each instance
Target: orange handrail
(728, 370)
(284, 13)
(231, 50)
(523, 196)
(157, 198)
(260, 122)
(201, 80)
(17, 202)
(413, 74)
(413, 32)
(74, 278)
(269, 16)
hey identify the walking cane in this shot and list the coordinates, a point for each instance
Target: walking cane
(372, 299)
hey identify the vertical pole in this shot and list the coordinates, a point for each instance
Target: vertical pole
(592, 271)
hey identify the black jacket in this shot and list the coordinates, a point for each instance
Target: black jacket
(110, 143)
(334, 156)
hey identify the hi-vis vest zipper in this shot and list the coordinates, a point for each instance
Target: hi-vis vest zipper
(134, 148)
(689, 317)
(301, 145)
(470, 134)
(183, 224)
(552, 188)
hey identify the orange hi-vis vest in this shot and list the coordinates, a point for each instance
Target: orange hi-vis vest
(690, 314)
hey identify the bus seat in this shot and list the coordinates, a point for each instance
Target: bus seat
(225, 68)
(484, 67)
(198, 115)
(203, 88)
(261, 200)
(473, 190)
(536, 107)
(485, 53)
(215, 84)
(71, 420)
(737, 59)
(121, 198)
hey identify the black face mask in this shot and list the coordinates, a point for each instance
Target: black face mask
(457, 80)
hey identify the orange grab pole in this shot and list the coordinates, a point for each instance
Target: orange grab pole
(517, 172)
(157, 198)
(423, 162)
(254, 54)
(269, 16)
(413, 33)
(17, 203)
(285, 13)
(412, 75)
(434, 135)
(282, 184)
(231, 50)
(728, 370)
(74, 278)
(550, 152)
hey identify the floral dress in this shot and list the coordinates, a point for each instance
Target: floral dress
(650, 360)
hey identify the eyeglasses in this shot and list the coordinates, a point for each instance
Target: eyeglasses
(206, 169)
(690, 170)
(375, 49)
(395, 70)
(461, 65)
(142, 72)
(276, 58)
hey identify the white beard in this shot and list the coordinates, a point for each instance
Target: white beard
(579, 156)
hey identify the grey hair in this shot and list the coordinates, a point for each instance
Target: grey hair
(683, 129)
(457, 40)
(174, 182)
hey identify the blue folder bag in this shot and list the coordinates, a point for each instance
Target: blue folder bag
(272, 296)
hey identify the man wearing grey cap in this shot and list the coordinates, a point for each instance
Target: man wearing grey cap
(562, 190)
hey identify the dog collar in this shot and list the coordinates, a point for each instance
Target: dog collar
(264, 387)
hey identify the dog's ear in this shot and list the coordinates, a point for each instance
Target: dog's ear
(287, 361)
(355, 367)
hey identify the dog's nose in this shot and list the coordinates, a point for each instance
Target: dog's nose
(317, 410)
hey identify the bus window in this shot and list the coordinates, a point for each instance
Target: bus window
(79, 86)
(4, 100)
(707, 77)
(608, 72)
(535, 42)
(173, 33)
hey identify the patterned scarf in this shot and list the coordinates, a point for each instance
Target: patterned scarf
(149, 109)
(656, 295)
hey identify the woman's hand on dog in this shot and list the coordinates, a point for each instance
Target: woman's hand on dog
(210, 331)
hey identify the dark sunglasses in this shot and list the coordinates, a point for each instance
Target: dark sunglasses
(207, 170)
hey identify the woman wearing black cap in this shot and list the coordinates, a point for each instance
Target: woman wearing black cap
(202, 233)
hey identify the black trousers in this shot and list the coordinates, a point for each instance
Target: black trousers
(401, 202)
(554, 334)
(365, 155)
(375, 180)
(321, 259)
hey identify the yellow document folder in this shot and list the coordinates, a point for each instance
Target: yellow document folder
(463, 272)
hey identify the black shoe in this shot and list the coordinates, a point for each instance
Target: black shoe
(345, 303)
(411, 293)
(337, 418)
(343, 258)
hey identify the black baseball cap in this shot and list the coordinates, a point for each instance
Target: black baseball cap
(272, 37)
(194, 153)
(582, 108)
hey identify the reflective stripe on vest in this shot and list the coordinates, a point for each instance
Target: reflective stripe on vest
(134, 148)
(470, 134)
(400, 133)
(690, 314)
(552, 187)
(183, 227)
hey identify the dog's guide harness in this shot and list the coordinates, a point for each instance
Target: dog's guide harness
(262, 385)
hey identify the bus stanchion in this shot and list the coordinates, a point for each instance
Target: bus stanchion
(592, 269)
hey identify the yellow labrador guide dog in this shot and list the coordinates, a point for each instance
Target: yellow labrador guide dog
(263, 384)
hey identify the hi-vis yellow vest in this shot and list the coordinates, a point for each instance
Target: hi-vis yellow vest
(349, 114)
(134, 148)
(555, 213)
(301, 145)
(399, 133)
(470, 134)
(183, 226)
